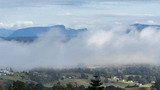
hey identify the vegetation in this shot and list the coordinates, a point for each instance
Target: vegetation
(96, 83)
(129, 77)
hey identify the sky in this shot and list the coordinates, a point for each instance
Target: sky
(106, 41)
(77, 13)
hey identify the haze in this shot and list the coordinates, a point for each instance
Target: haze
(105, 42)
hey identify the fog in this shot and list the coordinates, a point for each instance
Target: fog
(97, 46)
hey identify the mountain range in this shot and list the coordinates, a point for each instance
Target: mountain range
(139, 27)
(31, 33)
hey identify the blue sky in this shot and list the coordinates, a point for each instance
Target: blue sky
(78, 12)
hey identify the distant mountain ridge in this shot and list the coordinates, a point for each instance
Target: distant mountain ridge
(139, 27)
(31, 33)
(5, 32)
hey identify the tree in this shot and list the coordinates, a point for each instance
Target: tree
(157, 84)
(58, 86)
(1, 88)
(95, 83)
(18, 85)
(70, 87)
(82, 87)
(39, 87)
(30, 86)
(84, 76)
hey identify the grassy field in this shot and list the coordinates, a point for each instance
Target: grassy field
(74, 81)
(16, 76)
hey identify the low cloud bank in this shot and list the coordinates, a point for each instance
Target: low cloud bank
(96, 46)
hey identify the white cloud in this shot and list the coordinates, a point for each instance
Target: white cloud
(18, 24)
(150, 21)
(99, 38)
(129, 15)
(2, 25)
(65, 14)
(107, 46)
